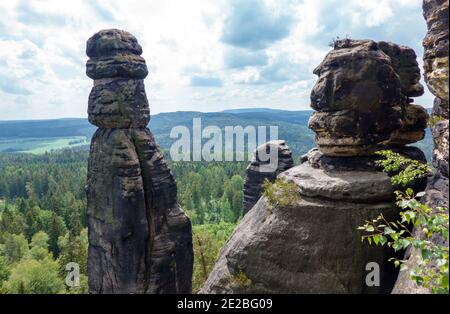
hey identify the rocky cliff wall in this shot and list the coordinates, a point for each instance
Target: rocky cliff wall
(436, 76)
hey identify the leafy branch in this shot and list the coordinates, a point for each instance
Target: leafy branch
(431, 269)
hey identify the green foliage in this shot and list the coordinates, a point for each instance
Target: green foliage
(403, 170)
(210, 192)
(32, 276)
(4, 270)
(11, 222)
(207, 241)
(82, 289)
(434, 119)
(280, 192)
(241, 280)
(431, 269)
(43, 203)
(39, 246)
(15, 247)
(74, 248)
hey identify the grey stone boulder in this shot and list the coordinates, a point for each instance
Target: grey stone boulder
(305, 239)
(109, 42)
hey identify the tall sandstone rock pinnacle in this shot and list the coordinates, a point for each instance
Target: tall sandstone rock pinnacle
(435, 59)
(301, 236)
(140, 240)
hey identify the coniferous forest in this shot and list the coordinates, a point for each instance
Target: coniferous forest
(43, 216)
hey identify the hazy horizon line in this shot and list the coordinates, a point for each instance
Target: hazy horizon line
(249, 109)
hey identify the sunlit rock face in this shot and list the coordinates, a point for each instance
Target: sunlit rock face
(140, 240)
(363, 98)
(301, 236)
(256, 175)
(436, 76)
(436, 47)
(436, 52)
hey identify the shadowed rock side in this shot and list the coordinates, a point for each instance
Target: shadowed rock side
(255, 175)
(140, 240)
(436, 76)
(301, 236)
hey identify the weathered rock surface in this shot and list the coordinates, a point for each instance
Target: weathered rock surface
(362, 163)
(414, 124)
(362, 98)
(255, 175)
(120, 65)
(140, 240)
(119, 103)
(436, 47)
(436, 76)
(301, 236)
(309, 243)
(109, 42)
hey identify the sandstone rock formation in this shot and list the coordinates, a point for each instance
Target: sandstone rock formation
(255, 177)
(140, 240)
(306, 240)
(301, 236)
(361, 82)
(436, 76)
(436, 47)
(436, 65)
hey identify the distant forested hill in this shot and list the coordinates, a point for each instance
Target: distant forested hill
(37, 136)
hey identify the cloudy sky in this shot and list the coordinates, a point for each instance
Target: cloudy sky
(205, 55)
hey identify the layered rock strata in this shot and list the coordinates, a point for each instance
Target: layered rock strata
(363, 98)
(140, 240)
(255, 176)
